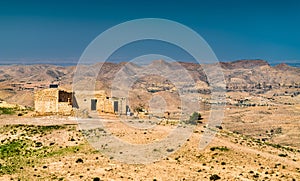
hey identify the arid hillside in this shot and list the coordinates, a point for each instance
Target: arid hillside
(18, 82)
(258, 138)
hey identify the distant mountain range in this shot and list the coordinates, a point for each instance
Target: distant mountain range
(58, 62)
(18, 82)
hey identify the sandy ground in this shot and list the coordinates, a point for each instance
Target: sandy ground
(245, 158)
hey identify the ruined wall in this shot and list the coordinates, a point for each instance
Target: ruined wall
(64, 96)
(65, 108)
(53, 101)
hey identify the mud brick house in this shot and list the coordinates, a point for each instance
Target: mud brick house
(53, 101)
(100, 102)
(57, 101)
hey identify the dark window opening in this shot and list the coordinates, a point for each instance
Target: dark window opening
(53, 86)
(116, 106)
(93, 104)
(64, 96)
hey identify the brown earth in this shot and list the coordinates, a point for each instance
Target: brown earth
(18, 82)
(231, 155)
(258, 138)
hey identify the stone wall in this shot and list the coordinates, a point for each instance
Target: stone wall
(53, 101)
(65, 108)
(104, 103)
(46, 101)
(122, 105)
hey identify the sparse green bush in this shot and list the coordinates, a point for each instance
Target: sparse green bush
(4, 110)
(194, 118)
(19, 153)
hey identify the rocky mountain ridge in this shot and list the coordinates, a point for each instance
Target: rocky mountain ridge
(18, 82)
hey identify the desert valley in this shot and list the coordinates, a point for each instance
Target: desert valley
(258, 139)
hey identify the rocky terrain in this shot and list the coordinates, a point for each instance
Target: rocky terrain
(55, 148)
(257, 140)
(18, 82)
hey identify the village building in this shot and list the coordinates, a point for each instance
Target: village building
(53, 101)
(99, 101)
(57, 101)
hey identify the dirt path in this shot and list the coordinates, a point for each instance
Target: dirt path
(48, 120)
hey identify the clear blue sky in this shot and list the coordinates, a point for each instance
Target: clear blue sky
(58, 31)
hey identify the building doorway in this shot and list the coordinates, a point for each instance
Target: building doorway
(116, 106)
(93, 104)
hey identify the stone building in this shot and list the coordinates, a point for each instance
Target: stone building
(57, 101)
(53, 101)
(100, 102)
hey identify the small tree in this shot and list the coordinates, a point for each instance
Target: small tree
(194, 118)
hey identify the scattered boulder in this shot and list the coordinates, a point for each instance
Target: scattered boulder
(79, 160)
(214, 177)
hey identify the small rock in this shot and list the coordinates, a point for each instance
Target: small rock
(38, 144)
(79, 160)
(214, 177)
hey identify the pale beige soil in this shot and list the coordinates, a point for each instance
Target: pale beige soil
(246, 157)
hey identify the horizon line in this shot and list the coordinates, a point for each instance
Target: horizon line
(292, 63)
